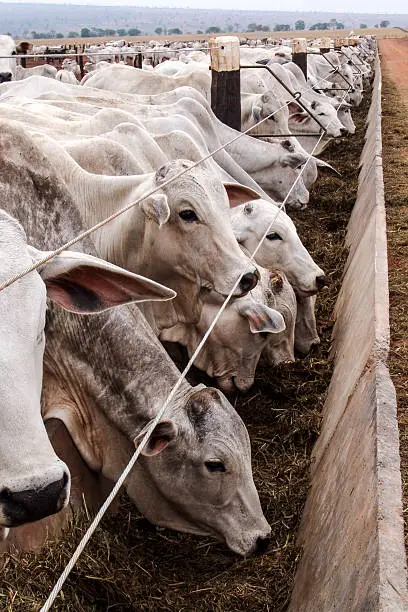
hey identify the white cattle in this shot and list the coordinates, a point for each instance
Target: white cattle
(181, 233)
(130, 80)
(280, 347)
(33, 482)
(45, 70)
(281, 249)
(70, 73)
(106, 377)
(246, 160)
(7, 65)
(234, 347)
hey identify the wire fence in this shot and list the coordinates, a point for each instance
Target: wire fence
(150, 427)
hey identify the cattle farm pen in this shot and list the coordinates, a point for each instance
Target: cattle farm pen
(131, 565)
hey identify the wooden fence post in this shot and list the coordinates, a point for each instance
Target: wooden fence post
(226, 80)
(325, 46)
(299, 54)
(81, 62)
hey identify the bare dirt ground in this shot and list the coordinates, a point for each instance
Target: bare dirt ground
(378, 32)
(394, 60)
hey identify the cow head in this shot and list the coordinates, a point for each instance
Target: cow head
(195, 475)
(282, 248)
(190, 231)
(33, 481)
(7, 66)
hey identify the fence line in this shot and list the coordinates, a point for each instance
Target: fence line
(152, 424)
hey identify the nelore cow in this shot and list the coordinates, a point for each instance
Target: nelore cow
(7, 65)
(106, 377)
(33, 481)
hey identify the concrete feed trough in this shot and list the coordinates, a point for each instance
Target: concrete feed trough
(352, 526)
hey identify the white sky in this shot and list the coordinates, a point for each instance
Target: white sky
(352, 6)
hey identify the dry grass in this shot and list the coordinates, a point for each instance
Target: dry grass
(130, 565)
(379, 32)
(395, 156)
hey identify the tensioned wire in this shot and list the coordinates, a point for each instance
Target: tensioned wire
(149, 430)
(99, 225)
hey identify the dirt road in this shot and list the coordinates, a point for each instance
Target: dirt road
(394, 61)
(394, 55)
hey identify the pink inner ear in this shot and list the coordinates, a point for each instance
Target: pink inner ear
(89, 289)
(298, 117)
(155, 446)
(238, 195)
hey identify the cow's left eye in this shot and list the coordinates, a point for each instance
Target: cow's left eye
(188, 215)
(274, 236)
(321, 114)
(215, 466)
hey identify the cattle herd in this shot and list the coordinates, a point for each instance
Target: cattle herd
(74, 152)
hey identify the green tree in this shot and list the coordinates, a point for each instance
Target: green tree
(85, 33)
(158, 31)
(300, 25)
(384, 24)
(122, 32)
(59, 35)
(213, 30)
(281, 27)
(109, 32)
(363, 26)
(73, 34)
(173, 31)
(339, 26)
(200, 32)
(134, 32)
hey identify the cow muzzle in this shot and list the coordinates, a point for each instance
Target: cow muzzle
(19, 507)
(5, 77)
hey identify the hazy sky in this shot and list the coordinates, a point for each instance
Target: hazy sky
(353, 6)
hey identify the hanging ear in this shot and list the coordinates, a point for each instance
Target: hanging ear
(85, 284)
(239, 194)
(261, 318)
(161, 436)
(156, 208)
(294, 160)
(256, 112)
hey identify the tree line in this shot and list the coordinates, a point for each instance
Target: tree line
(332, 24)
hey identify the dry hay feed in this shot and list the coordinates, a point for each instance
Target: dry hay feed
(131, 565)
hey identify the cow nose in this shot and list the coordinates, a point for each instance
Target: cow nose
(344, 131)
(262, 544)
(5, 77)
(248, 281)
(321, 281)
(34, 504)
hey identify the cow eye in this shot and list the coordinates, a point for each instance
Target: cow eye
(215, 466)
(321, 114)
(274, 236)
(14, 53)
(188, 216)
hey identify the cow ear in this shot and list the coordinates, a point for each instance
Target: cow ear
(261, 318)
(239, 194)
(256, 112)
(161, 436)
(294, 160)
(85, 284)
(156, 208)
(294, 107)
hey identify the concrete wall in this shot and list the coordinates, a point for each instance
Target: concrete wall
(352, 527)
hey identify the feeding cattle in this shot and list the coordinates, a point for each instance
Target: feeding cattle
(106, 377)
(184, 199)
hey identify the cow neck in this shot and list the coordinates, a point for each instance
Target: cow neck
(107, 371)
